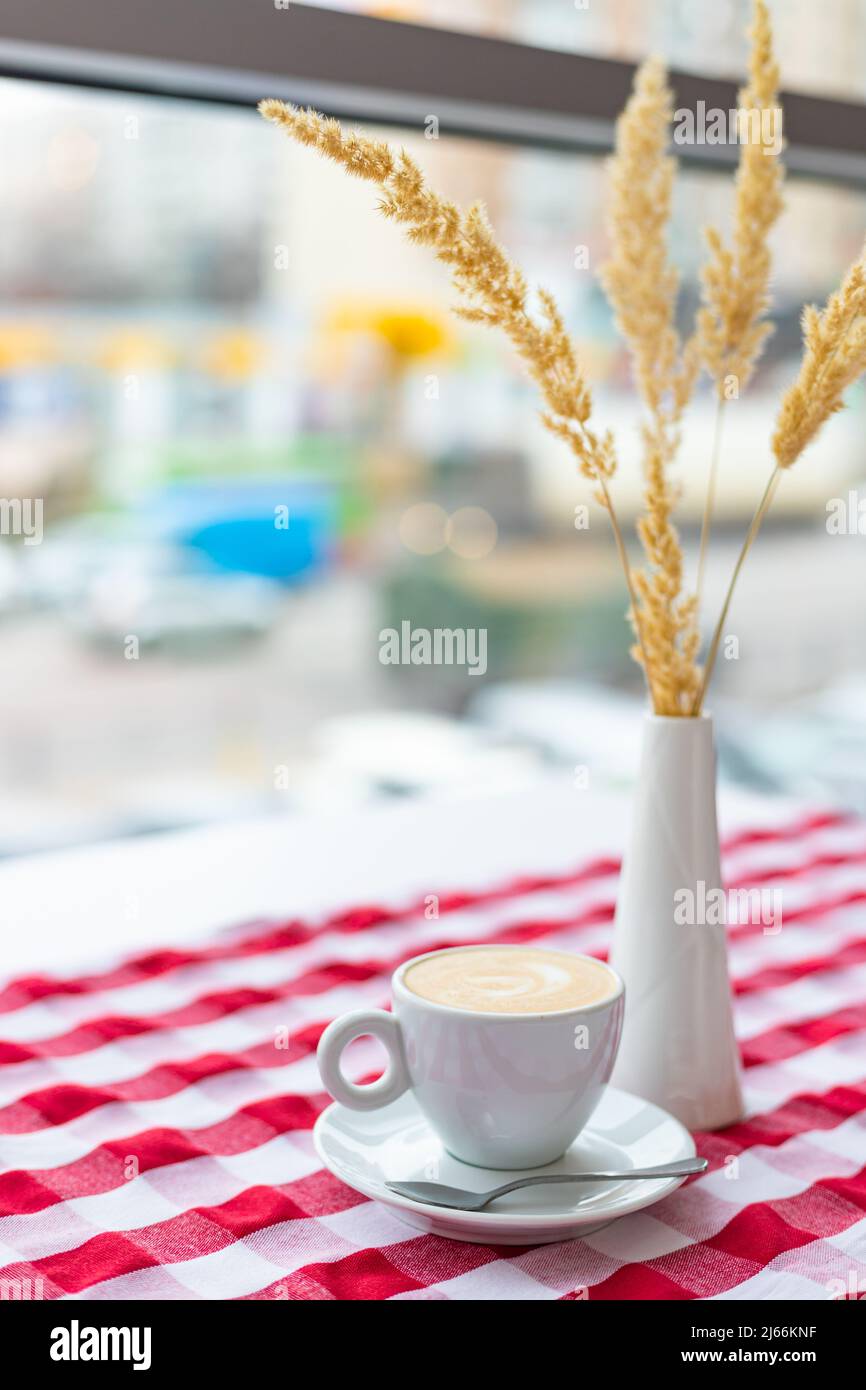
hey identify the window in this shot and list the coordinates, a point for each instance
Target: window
(206, 332)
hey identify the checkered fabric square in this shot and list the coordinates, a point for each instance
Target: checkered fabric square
(156, 1113)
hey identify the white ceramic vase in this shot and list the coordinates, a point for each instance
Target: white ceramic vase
(678, 1047)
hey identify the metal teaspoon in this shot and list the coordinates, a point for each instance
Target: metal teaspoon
(436, 1194)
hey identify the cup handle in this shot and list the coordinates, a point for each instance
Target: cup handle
(339, 1034)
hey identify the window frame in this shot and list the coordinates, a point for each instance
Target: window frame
(386, 72)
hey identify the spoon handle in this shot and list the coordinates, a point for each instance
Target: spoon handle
(681, 1168)
(440, 1195)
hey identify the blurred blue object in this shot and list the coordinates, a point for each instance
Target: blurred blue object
(281, 528)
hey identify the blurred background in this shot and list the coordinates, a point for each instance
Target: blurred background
(260, 438)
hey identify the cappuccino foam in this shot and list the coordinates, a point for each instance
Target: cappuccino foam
(510, 980)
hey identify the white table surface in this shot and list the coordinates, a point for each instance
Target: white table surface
(67, 910)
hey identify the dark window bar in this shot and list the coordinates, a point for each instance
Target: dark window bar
(381, 71)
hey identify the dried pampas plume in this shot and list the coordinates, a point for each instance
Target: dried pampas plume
(494, 289)
(731, 325)
(642, 286)
(639, 280)
(834, 356)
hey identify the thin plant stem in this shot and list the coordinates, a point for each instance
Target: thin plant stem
(710, 499)
(757, 519)
(626, 568)
(754, 528)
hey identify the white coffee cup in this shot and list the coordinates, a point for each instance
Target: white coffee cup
(502, 1090)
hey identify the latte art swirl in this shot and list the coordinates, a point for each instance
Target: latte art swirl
(510, 980)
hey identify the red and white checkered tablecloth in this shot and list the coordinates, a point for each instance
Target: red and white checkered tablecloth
(155, 1115)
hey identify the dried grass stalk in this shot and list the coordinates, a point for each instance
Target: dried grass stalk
(834, 356)
(731, 325)
(494, 289)
(642, 286)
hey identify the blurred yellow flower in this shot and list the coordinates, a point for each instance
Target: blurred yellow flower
(24, 345)
(409, 332)
(137, 349)
(235, 355)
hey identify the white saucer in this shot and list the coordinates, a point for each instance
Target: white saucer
(366, 1149)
